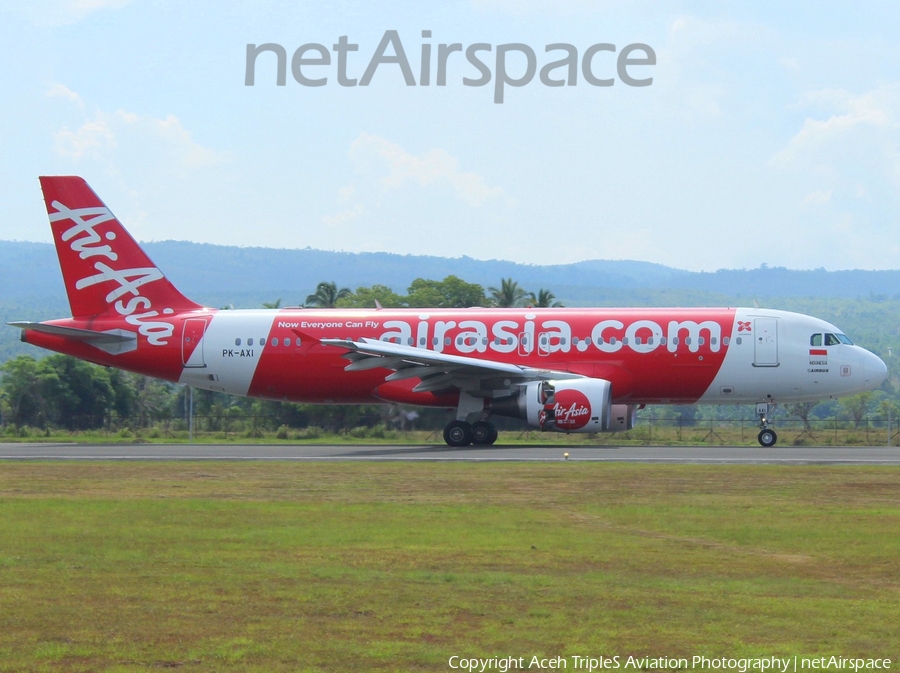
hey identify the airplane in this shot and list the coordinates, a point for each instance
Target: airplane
(569, 370)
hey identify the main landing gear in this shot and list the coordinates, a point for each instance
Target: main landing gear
(766, 436)
(460, 433)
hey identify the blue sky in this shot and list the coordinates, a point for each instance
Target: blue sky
(770, 134)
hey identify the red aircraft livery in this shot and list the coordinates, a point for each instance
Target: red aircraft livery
(558, 369)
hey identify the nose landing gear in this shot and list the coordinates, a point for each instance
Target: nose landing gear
(766, 436)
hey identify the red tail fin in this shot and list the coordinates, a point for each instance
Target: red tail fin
(104, 268)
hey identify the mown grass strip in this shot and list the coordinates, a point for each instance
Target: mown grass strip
(343, 567)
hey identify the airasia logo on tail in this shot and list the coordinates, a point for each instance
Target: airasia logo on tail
(84, 239)
(572, 409)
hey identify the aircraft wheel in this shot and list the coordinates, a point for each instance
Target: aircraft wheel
(767, 437)
(458, 433)
(483, 433)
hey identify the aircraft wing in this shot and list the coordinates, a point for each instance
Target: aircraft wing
(437, 371)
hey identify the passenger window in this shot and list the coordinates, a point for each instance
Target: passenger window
(687, 340)
(421, 341)
(410, 341)
(674, 341)
(262, 342)
(274, 341)
(599, 341)
(650, 341)
(637, 341)
(738, 341)
(831, 340)
(726, 341)
(249, 342)
(712, 341)
(237, 342)
(625, 341)
(662, 341)
(701, 340)
(815, 340)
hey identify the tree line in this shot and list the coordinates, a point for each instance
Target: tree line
(59, 391)
(452, 292)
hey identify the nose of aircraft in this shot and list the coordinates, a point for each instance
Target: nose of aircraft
(874, 370)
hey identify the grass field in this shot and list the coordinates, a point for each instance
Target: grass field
(387, 566)
(715, 433)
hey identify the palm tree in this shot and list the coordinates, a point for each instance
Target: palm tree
(544, 299)
(509, 294)
(272, 304)
(326, 295)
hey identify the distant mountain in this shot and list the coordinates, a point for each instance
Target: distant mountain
(31, 286)
(215, 273)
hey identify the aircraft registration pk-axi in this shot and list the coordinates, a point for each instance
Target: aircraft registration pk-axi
(557, 369)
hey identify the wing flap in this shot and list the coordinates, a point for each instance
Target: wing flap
(438, 371)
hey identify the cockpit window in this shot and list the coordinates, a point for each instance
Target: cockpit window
(831, 340)
(815, 340)
(844, 339)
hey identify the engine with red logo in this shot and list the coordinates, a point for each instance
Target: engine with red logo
(580, 405)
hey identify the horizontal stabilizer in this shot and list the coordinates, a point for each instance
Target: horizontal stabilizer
(113, 341)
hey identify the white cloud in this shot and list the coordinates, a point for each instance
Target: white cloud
(396, 195)
(189, 153)
(62, 91)
(54, 13)
(814, 199)
(99, 136)
(374, 155)
(345, 216)
(875, 109)
(689, 73)
(91, 139)
(520, 7)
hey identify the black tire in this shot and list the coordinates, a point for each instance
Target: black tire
(458, 433)
(483, 433)
(767, 437)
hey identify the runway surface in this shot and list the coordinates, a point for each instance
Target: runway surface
(311, 452)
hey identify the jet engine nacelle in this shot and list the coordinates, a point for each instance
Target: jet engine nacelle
(580, 405)
(621, 417)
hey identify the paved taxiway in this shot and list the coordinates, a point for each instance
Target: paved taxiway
(653, 454)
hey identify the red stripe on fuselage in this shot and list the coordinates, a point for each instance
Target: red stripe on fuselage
(640, 371)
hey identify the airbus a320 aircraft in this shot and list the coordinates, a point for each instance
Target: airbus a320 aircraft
(562, 370)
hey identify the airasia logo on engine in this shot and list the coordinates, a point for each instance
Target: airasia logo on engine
(572, 409)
